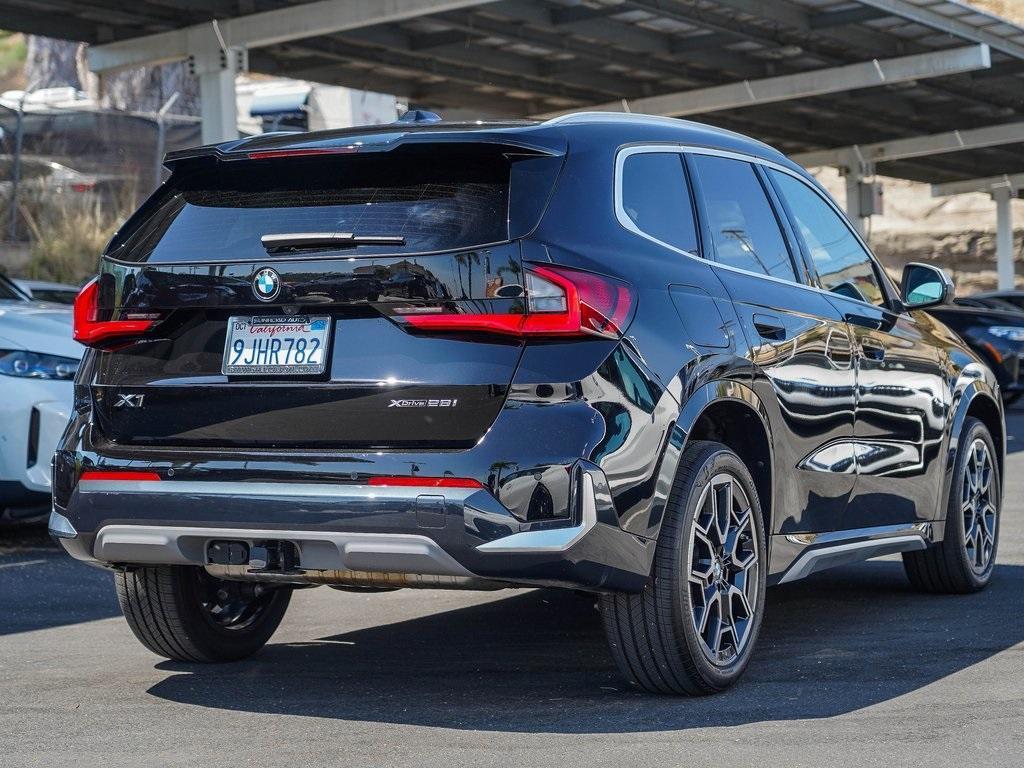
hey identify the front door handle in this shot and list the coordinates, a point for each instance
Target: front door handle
(769, 327)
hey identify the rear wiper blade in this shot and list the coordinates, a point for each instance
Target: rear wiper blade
(293, 241)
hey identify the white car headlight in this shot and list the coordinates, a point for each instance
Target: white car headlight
(30, 365)
(1008, 332)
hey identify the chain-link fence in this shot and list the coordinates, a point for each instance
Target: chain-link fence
(69, 176)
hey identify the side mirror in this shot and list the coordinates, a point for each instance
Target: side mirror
(925, 286)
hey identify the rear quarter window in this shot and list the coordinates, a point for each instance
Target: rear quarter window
(656, 198)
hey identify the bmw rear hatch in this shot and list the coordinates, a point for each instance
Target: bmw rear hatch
(276, 293)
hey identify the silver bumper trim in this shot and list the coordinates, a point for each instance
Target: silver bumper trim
(60, 526)
(553, 539)
(829, 549)
(382, 552)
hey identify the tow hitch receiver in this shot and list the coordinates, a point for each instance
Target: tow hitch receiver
(273, 557)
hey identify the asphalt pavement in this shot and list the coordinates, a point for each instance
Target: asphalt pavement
(853, 668)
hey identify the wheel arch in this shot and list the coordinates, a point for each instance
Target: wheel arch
(978, 398)
(731, 413)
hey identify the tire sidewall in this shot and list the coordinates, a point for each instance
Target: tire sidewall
(718, 460)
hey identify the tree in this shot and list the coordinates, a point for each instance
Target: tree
(53, 63)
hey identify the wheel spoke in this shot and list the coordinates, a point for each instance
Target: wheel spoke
(729, 622)
(722, 510)
(988, 519)
(736, 533)
(712, 603)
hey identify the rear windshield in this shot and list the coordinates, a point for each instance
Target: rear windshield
(438, 200)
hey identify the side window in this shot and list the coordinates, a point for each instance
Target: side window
(656, 198)
(840, 260)
(743, 226)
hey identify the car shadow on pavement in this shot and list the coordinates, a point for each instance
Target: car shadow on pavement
(536, 662)
(41, 587)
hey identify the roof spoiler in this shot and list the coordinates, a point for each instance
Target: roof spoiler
(385, 139)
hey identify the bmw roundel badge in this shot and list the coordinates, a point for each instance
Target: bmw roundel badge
(266, 284)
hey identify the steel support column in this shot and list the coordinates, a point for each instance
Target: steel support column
(1004, 237)
(853, 180)
(216, 70)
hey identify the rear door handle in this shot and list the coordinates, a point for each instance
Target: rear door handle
(769, 327)
(864, 321)
(873, 351)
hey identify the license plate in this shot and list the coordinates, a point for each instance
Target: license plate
(267, 346)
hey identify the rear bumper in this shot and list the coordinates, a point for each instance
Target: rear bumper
(424, 536)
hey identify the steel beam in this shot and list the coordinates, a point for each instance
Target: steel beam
(1014, 181)
(805, 84)
(951, 25)
(262, 29)
(915, 146)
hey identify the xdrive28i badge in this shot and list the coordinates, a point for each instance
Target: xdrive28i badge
(266, 284)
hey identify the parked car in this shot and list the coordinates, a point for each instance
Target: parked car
(55, 293)
(655, 362)
(47, 182)
(38, 360)
(995, 334)
(986, 302)
(1014, 298)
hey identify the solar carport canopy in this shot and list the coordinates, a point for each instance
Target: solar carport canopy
(930, 90)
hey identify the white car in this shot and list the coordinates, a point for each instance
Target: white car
(55, 293)
(38, 360)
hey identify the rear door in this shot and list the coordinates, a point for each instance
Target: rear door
(902, 393)
(799, 343)
(336, 251)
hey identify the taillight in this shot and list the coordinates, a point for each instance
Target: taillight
(558, 302)
(83, 186)
(91, 331)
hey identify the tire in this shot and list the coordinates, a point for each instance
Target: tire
(653, 636)
(183, 613)
(962, 563)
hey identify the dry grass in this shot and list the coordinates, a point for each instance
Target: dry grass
(66, 242)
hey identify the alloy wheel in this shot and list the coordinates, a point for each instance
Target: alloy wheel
(723, 563)
(231, 605)
(978, 506)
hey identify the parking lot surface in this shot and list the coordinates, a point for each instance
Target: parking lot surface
(854, 668)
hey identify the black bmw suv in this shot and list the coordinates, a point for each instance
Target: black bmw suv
(638, 357)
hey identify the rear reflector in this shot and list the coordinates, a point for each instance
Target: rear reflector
(104, 475)
(91, 331)
(425, 482)
(559, 302)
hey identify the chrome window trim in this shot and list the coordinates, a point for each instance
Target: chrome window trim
(620, 211)
(845, 220)
(682, 149)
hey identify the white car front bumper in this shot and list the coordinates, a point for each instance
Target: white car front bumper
(33, 414)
